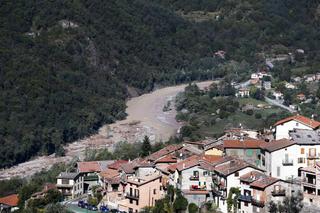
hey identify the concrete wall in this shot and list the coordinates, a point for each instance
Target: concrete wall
(282, 130)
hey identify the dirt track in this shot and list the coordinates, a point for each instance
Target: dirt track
(145, 117)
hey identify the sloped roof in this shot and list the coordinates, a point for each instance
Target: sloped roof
(248, 143)
(109, 173)
(252, 176)
(185, 164)
(277, 144)
(162, 152)
(68, 175)
(88, 166)
(299, 118)
(264, 182)
(233, 166)
(117, 164)
(10, 200)
(167, 159)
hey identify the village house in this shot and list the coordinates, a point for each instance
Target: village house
(70, 184)
(281, 128)
(44, 191)
(9, 203)
(258, 189)
(243, 92)
(192, 176)
(277, 95)
(309, 77)
(246, 149)
(310, 183)
(90, 170)
(290, 86)
(226, 175)
(141, 190)
(267, 85)
(279, 159)
(308, 142)
(301, 97)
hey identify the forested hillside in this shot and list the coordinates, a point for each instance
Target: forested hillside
(65, 66)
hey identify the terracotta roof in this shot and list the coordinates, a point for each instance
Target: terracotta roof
(88, 166)
(204, 161)
(10, 200)
(252, 176)
(185, 164)
(253, 144)
(233, 166)
(262, 183)
(109, 173)
(129, 167)
(196, 192)
(117, 164)
(167, 159)
(162, 152)
(299, 118)
(277, 144)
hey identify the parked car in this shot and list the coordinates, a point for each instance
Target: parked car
(80, 203)
(104, 209)
(114, 211)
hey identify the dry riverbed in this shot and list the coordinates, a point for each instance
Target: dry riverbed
(145, 117)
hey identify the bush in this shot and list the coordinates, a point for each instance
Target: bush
(258, 116)
(249, 112)
(193, 208)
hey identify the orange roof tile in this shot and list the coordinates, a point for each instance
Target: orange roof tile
(253, 144)
(117, 164)
(167, 159)
(109, 173)
(262, 183)
(89, 166)
(10, 200)
(185, 164)
(299, 118)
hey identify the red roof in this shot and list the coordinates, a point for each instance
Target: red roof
(253, 144)
(185, 164)
(117, 164)
(10, 200)
(89, 166)
(167, 159)
(162, 152)
(299, 118)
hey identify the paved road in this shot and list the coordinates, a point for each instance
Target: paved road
(276, 103)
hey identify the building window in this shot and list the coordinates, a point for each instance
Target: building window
(236, 174)
(302, 151)
(65, 181)
(195, 173)
(130, 210)
(130, 201)
(154, 191)
(160, 188)
(137, 202)
(297, 124)
(301, 160)
(278, 171)
(205, 173)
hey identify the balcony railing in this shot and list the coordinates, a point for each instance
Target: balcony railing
(194, 178)
(280, 192)
(309, 181)
(258, 203)
(198, 188)
(287, 162)
(91, 178)
(132, 196)
(246, 198)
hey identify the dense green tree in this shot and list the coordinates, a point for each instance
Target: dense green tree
(146, 146)
(180, 203)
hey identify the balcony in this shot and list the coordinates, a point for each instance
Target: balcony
(91, 178)
(257, 203)
(132, 196)
(245, 198)
(198, 188)
(311, 182)
(194, 178)
(287, 162)
(312, 155)
(278, 193)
